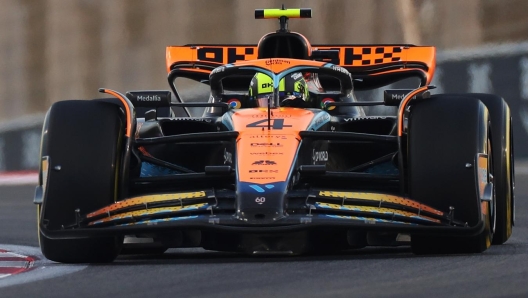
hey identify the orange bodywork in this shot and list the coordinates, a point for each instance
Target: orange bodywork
(268, 153)
(404, 103)
(127, 109)
(211, 54)
(360, 56)
(277, 65)
(350, 56)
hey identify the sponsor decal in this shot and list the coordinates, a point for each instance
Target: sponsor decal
(296, 75)
(234, 103)
(318, 156)
(266, 145)
(321, 120)
(273, 115)
(400, 96)
(191, 119)
(225, 55)
(263, 171)
(218, 70)
(369, 55)
(266, 153)
(261, 188)
(228, 157)
(148, 98)
(282, 137)
(264, 162)
(262, 178)
(260, 200)
(325, 101)
(340, 69)
(364, 118)
(277, 61)
(352, 55)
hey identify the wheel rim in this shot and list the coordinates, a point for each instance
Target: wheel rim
(491, 205)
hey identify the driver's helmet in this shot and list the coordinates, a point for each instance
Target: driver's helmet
(293, 90)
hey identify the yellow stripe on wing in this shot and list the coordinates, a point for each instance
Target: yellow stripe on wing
(379, 198)
(376, 210)
(153, 211)
(147, 199)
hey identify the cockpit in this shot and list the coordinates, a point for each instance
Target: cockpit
(277, 83)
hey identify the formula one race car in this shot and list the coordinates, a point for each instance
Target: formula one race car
(284, 158)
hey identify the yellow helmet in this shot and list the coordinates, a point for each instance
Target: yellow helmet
(292, 87)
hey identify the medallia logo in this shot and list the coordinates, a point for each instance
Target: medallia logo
(148, 98)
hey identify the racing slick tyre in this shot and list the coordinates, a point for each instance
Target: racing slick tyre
(445, 135)
(81, 140)
(503, 180)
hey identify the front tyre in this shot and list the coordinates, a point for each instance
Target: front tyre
(82, 142)
(501, 131)
(446, 134)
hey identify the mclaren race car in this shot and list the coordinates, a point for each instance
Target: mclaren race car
(286, 157)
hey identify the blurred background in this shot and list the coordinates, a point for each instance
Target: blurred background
(66, 49)
(53, 50)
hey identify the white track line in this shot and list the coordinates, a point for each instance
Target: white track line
(19, 178)
(41, 268)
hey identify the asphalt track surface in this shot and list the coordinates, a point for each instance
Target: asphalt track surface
(502, 271)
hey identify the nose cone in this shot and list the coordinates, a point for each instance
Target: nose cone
(266, 151)
(260, 203)
(266, 148)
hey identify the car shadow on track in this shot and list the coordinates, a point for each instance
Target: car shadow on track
(200, 256)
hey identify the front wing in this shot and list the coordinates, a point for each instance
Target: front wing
(313, 209)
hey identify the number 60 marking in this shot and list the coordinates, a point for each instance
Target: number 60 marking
(260, 200)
